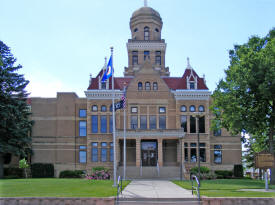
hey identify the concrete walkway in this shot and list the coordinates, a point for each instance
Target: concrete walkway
(154, 189)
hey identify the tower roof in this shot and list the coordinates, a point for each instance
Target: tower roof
(146, 11)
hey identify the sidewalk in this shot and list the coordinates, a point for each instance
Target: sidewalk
(154, 189)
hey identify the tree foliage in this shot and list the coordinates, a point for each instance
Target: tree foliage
(244, 100)
(15, 123)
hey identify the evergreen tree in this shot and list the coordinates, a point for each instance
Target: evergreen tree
(15, 123)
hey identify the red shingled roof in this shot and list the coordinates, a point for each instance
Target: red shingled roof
(174, 83)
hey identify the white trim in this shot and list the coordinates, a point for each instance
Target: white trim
(103, 94)
(141, 46)
(191, 94)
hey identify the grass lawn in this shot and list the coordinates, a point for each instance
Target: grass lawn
(229, 188)
(57, 188)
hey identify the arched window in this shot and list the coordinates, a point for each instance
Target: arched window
(103, 108)
(192, 108)
(183, 108)
(136, 30)
(94, 108)
(201, 108)
(140, 86)
(155, 86)
(147, 86)
(157, 30)
(146, 34)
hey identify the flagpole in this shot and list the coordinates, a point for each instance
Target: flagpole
(124, 139)
(114, 118)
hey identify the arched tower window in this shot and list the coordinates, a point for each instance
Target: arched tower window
(140, 86)
(155, 86)
(147, 86)
(146, 34)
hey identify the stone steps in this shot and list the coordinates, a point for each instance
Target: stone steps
(156, 201)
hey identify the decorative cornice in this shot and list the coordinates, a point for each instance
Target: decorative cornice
(103, 94)
(146, 46)
(191, 94)
(157, 133)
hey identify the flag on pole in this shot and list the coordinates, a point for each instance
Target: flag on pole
(109, 70)
(123, 100)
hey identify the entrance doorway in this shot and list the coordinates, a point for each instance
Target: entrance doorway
(149, 153)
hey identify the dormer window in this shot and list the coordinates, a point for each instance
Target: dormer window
(103, 85)
(192, 85)
(146, 34)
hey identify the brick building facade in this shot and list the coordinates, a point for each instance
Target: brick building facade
(161, 124)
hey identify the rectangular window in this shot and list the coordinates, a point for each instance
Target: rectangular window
(202, 124)
(186, 152)
(183, 123)
(103, 124)
(82, 113)
(146, 55)
(94, 124)
(94, 152)
(134, 122)
(202, 152)
(153, 122)
(82, 154)
(111, 123)
(162, 110)
(135, 57)
(158, 60)
(162, 122)
(111, 152)
(192, 124)
(192, 85)
(217, 154)
(143, 122)
(193, 152)
(103, 151)
(134, 109)
(82, 128)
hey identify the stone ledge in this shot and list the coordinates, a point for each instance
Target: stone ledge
(237, 201)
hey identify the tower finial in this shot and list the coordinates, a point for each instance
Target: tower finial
(188, 62)
(145, 3)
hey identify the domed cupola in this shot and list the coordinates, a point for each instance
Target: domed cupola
(146, 24)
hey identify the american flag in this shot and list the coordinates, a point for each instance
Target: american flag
(123, 101)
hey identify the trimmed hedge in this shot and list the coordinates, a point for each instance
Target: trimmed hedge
(13, 173)
(41, 170)
(71, 174)
(203, 170)
(238, 171)
(224, 174)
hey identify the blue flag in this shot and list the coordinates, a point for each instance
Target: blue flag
(109, 70)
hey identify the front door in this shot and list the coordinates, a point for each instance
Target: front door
(149, 153)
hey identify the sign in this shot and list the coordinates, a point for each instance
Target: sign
(264, 160)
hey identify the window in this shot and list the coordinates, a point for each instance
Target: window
(146, 34)
(111, 108)
(94, 108)
(217, 154)
(135, 57)
(134, 109)
(94, 124)
(218, 132)
(157, 30)
(143, 122)
(111, 152)
(202, 124)
(192, 124)
(82, 113)
(153, 122)
(103, 124)
(111, 123)
(134, 122)
(82, 128)
(82, 154)
(103, 108)
(103, 85)
(103, 151)
(183, 108)
(158, 58)
(140, 86)
(183, 123)
(192, 108)
(147, 86)
(192, 85)
(94, 152)
(193, 152)
(202, 152)
(186, 152)
(162, 110)
(155, 86)
(136, 30)
(146, 55)
(201, 108)
(162, 122)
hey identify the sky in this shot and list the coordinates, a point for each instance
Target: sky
(60, 43)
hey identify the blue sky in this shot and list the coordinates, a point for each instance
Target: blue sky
(60, 42)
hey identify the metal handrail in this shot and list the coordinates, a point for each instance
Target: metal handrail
(158, 167)
(198, 185)
(119, 188)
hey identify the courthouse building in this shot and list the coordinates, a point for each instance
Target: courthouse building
(163, 116)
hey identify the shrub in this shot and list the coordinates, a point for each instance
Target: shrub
(41, 170)
(99, 173)
(224, 174)
(13, 173)
(203, 170)
(238, 170)
(71, 174)
(95, 169)
(205, 176)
